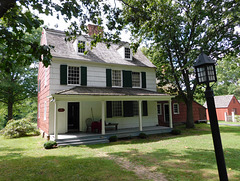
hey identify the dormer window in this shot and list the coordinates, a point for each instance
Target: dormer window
(81, 46)
(127, 53)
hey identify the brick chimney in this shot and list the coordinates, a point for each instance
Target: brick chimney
(94, 29)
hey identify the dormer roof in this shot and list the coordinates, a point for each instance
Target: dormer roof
(99, 54)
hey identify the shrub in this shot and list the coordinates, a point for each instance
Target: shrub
(113, 138)
(176, 132)
(19, 128)
(142, 135)
(50, 144)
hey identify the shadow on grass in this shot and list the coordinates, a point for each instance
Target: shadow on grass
(200, 129)
(191, 164)
(62, 168)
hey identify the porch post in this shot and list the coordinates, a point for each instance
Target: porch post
(140, 114)
(103, 117)
(170, 114)
(55, 121)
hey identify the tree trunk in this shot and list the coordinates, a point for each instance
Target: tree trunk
(10, 110)
(189, 122)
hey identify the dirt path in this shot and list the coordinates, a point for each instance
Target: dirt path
(141, 171)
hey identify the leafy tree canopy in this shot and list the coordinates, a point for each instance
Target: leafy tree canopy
(177, 30)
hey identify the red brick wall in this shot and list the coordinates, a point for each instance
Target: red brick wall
(199, 113)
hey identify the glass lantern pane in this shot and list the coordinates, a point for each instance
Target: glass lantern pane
(211, 74)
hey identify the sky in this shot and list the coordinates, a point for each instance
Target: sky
(59, 24)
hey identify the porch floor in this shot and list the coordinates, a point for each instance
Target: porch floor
(94, 138)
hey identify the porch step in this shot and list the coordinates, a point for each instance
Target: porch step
(81, 141)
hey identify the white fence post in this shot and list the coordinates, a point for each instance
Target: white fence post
(233, 117)
(225, 116)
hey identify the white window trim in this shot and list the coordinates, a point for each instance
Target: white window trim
(159, 104)
(79, 75)
(121, 78)
(45, 111)
(177, 108)
(125, 54)
(140, 85)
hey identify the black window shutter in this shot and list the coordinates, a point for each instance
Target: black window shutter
(109, 109)
(128, 108)
(144, 108)
(109, 77)
(127, 78)
(83, 75)
(144, 80)
(63, 74)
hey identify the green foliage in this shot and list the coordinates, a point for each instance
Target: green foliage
(176, 31)
(19, 128)
(50, 144)
(113, 138)
(176, 132)
(142, 136)
(228, 73)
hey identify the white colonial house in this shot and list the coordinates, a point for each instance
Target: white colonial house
(108, 84)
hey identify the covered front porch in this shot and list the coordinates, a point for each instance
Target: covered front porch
(84, 138)
(98, 98)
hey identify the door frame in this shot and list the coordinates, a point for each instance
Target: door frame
(165, 113)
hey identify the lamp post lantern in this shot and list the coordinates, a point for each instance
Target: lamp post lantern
(206, 73)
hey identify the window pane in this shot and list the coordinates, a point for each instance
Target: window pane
(73, 75)
(136, 79)
(176, 108)
(159, 109)
(127, 53)
(117, 108)
(135, 108)
(81, 46)
(116, 78)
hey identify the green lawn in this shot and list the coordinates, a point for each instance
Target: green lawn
(189, 156)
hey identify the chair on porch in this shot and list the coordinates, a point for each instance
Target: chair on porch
(89, 124)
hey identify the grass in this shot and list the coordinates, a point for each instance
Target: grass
(238, 123)
(189, 156)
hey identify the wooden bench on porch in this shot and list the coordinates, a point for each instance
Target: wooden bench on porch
(97, 126)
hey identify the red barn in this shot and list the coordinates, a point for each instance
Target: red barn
(179, 112)
(227, 103)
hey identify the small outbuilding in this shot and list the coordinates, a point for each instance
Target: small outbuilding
(225, 106)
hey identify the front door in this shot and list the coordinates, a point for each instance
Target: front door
(166, 112)
(73, 116)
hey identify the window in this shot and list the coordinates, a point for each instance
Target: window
(45, 110)
(159, 109)
(81, 46)
(127, 53)
(176, 108)
(73, 75)
(135, 108)
(116, 78)
(136, 79)
(233, 100)
(117, 108)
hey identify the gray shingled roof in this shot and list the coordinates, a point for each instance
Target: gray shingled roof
(111, 91)
(100, 53)
(221, 101)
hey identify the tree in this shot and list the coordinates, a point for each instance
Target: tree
(177, 30)
(18, 20)
(18, 80)
(228, 73)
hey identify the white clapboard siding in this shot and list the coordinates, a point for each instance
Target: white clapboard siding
(96, 74)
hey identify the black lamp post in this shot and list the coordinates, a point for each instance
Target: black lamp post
(206, 73)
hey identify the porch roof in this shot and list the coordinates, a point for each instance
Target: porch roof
(107, 93)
